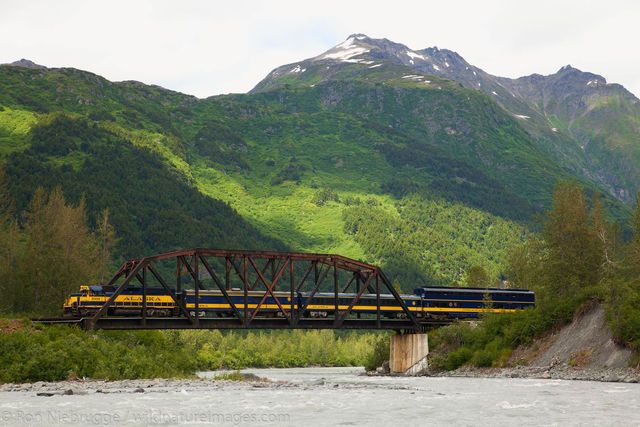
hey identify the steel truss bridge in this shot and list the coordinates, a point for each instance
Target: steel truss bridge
(250, 271)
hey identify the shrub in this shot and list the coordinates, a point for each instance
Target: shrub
(323, 196)
(379, 353)
(458, 358)
(482, 359)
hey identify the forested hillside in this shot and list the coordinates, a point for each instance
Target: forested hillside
(426, 180)
(578, 260)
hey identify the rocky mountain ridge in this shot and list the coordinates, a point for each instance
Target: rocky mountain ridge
(25, 63)
(590, 126)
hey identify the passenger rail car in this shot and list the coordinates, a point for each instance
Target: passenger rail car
(214, 303)
(472, 302)
(323, 304)
(426, 302)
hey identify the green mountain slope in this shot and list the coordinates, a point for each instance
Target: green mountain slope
(435, 177)
(587, 125)
(151, 208)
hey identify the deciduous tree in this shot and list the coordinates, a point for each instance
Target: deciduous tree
(59, 253)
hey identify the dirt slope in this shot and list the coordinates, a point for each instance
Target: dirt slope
(587, 343)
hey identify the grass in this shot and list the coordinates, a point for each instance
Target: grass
(15, 122)
(289, 215)
(14, 127)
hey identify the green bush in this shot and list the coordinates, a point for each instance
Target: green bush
(491, 341)
(437, 362)
(59, 352)
(458, 358)
(379, 353)
(325, 195)
(453, 336)
(54, 353)
(482, 359)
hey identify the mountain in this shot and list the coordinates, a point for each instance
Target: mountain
(25, 63)
(338, 154)
(58, 128)
(590, 127)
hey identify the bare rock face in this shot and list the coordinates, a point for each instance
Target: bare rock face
(25, 63)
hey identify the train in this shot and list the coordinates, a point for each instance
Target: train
(435, 302)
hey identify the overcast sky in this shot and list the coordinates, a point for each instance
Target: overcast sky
(208, 48)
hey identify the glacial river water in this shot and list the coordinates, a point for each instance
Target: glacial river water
(338, 396)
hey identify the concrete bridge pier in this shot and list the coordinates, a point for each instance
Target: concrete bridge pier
(408, 354)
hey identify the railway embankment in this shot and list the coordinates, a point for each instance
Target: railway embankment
(584, 349)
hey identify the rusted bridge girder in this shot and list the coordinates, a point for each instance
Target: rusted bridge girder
(250, 269)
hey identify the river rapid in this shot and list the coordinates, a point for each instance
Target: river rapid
(321, 396)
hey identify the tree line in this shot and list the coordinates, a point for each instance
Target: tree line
(48, 250)
(580, 252)
(578, 258)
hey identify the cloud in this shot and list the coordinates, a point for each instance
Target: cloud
(206, 48)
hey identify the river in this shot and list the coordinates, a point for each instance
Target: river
(330, 396)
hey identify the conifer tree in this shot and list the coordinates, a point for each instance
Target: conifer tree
(632, 257)
(525, 265)
(574, 250)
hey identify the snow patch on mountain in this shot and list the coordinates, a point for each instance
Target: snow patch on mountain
(345, 51)
(414, 55)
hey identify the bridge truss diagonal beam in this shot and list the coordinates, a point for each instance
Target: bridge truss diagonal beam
(248, 269)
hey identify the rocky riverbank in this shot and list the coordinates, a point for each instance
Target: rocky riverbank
(89, 386)
(582, 350)
(556, 372)
(626, 375)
